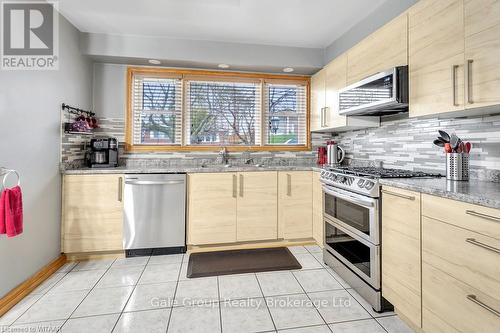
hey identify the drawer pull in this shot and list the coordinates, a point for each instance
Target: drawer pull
(484, 246)
(408, 197)
(120, 189)
(235, 186)
(484, 216)
(288, 185)
(474, 299)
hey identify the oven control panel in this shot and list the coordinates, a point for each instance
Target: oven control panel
(357, 184)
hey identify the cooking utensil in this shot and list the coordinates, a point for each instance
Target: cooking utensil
(438, 143)
(447, 148)
(468, 147)
(444, 135)
(461, 147)
(454, 141)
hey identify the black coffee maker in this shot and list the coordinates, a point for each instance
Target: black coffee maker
(103, 153)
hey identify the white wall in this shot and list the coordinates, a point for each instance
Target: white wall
(30, 143)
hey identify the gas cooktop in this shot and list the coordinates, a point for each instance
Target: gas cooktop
(381, 172)
(364, 180)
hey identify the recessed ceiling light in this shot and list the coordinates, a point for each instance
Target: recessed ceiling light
(223, 66)
(288, 69)
(154, 62)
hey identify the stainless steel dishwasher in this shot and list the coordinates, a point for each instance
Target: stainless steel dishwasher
(154, 219)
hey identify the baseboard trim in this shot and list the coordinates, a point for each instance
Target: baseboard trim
(18, 293)
(83, 256)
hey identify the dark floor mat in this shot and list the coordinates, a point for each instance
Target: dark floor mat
(241, 261)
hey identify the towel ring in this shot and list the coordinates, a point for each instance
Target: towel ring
(7, 173)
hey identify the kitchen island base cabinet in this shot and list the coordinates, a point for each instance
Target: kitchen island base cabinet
(295, 204)
(92, 213)
(212, 208)
(401, 252)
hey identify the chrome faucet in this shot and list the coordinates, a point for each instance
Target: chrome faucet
(223, 157)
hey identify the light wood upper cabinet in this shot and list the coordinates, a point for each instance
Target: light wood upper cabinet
(295, 204)
(401, 252)
(436, 57)
(482, 53)
(92, 213)
(257, 206)
(212, 208)
(317, 209)
(383, 49)
(318, 113)
(336, 79)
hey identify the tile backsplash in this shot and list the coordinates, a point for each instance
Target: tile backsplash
(73, 150)
(406, 143)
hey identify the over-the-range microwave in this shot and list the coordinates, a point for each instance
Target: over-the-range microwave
(380, 94)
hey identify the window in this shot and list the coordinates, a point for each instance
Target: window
(200, 110)
(286, 114)
(222, 113)
(157, 114)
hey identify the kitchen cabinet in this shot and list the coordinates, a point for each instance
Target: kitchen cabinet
(482, 53)
(385, 48)
(436, 57)
(318, 111)
(232, 207)
(92, 213)
(464, 270)
(294, 204)
(401, 252)
(257, 206)
(212, 208)
(458, 252)
(317, 209)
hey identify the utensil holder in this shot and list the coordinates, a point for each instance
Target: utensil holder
(457, 166)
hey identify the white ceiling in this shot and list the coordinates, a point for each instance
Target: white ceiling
(300, 23)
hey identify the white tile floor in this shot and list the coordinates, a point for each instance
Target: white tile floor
(153, 294)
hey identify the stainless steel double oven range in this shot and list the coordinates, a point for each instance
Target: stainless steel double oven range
(352, 218)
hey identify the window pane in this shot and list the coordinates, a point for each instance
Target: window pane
(286, 112)
(158, 128)
(158, 94)
(222, 113)
(157, 105)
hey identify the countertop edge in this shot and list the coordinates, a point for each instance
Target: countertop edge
(463, 197)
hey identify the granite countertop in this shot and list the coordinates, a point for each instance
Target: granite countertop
(181, 169)
(475, 192)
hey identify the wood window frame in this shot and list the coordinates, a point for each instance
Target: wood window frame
(217, 75)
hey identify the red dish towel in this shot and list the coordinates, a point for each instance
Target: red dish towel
(3, 196)
(14, 211)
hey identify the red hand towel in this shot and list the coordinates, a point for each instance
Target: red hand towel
(14, 212)
(3, 196)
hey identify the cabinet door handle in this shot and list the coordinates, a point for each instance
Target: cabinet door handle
(481, 215)
(322, 116)
(454, 84)
(289, 184)
(241, 186)
(120, 189)
(325, 118)
(484, 246)
(469, 81)
(473, 298)
(235, 186)
(408, 197)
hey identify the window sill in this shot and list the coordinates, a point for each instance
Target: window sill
(173, 148)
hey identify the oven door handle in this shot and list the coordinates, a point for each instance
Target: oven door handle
(349, 198)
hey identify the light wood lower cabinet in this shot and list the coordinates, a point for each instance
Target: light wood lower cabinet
(212, 208)
(92, 213)
(401, 252)
(294, 204)
(257, 206)
(317, 209)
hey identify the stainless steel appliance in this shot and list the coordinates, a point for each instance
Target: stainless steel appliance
(380, 94)
(335, 153)
(155, 214)
(103, 153)
(352, 217)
